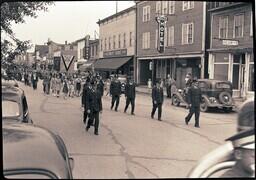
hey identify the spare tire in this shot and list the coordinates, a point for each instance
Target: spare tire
(225, 98)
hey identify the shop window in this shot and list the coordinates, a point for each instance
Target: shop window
(221, 71)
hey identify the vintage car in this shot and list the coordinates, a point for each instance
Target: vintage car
(14, 104)
(30, 151)
(9, 83)
(215, 93)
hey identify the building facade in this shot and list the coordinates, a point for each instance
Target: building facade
(184, 40)
(117, 44)
(231, 45)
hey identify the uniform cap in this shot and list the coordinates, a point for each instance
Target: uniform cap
(244, 139)
(246, 116)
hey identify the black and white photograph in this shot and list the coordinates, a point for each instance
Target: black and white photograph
(128, 89)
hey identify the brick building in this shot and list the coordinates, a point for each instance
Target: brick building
(184, 40)
(231, 45)
(117, 43)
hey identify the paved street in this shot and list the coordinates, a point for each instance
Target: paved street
(130, 146)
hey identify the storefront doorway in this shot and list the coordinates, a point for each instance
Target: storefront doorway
(238, 75)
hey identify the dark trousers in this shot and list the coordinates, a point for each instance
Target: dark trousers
(115, 99)
(44, 88)
(168, 91)
(155, 106)
(128, 101)
(94, 117)
(192, 110)
(34, 85)
(85, 115)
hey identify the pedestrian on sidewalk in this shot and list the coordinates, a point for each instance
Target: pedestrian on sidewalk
(71, 89)
(130, 94)
(100, 85)
(168, 86)
(115, 92)
(194, 99)
(157, 100)
(94, 107)
(34, 80)
(53, 84)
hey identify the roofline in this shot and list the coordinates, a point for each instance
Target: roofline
(116, 14)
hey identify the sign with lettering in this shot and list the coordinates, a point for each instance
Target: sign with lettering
(226, 42)
(161, 28)
(115, 53)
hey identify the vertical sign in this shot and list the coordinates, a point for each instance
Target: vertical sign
(161, 28)
(87, 48)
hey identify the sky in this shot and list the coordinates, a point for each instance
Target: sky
(67, 21)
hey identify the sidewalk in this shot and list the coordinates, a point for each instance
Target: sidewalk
(146, 90)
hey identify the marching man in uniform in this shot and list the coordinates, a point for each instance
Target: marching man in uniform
(130, 94)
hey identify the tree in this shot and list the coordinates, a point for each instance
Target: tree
(15, 12)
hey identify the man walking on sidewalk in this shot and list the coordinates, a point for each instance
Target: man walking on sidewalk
(157, 100)
(130, 94)
(194, 100)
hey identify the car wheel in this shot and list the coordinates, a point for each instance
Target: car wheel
(225, 98)
(175, 100)
(203, 106)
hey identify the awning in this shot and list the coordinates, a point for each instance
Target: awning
(85, 66)
(111, 63)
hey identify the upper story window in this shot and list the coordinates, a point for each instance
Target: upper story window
(171, 36)
(223, 27)
(124, 45)
(164, 7)
(119, 40)
(187, 33)
(146, 40)
(109, 43)
(187, 5)
(101, 45)
(171, 7)
(130, 39)
(146, 14)
(251, 25)
(238, 26)
(105, 44)
(158, 7)
(114, 42)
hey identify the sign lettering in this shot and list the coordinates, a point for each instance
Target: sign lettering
(161, 29)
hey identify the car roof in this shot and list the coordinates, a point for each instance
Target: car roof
(28, 146)
(11, 92)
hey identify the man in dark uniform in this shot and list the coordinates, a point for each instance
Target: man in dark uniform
(100, 85)
(194, 99)
(244, 151)
(86, 88)
(93, 107)
(130, 94)
(157, 100)
(115, 92)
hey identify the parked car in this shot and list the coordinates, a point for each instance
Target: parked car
(215, 93)
(123, 80)
(14, 104)
(30, 151)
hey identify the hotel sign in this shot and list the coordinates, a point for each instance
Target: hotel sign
(115, 53)
(161, 20)
(229, 42)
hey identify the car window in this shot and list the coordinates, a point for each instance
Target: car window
(223, 85)
(10, 109)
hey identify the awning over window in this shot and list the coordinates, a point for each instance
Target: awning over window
(111, 63)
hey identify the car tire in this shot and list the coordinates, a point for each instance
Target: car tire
(225, 98)
(175, 100)
(203, 105)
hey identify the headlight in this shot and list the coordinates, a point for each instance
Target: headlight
(212, 99)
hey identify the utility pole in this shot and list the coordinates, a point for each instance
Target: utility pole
(116, 6)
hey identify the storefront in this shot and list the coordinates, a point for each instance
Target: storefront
(159, 68)
(235, 65)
